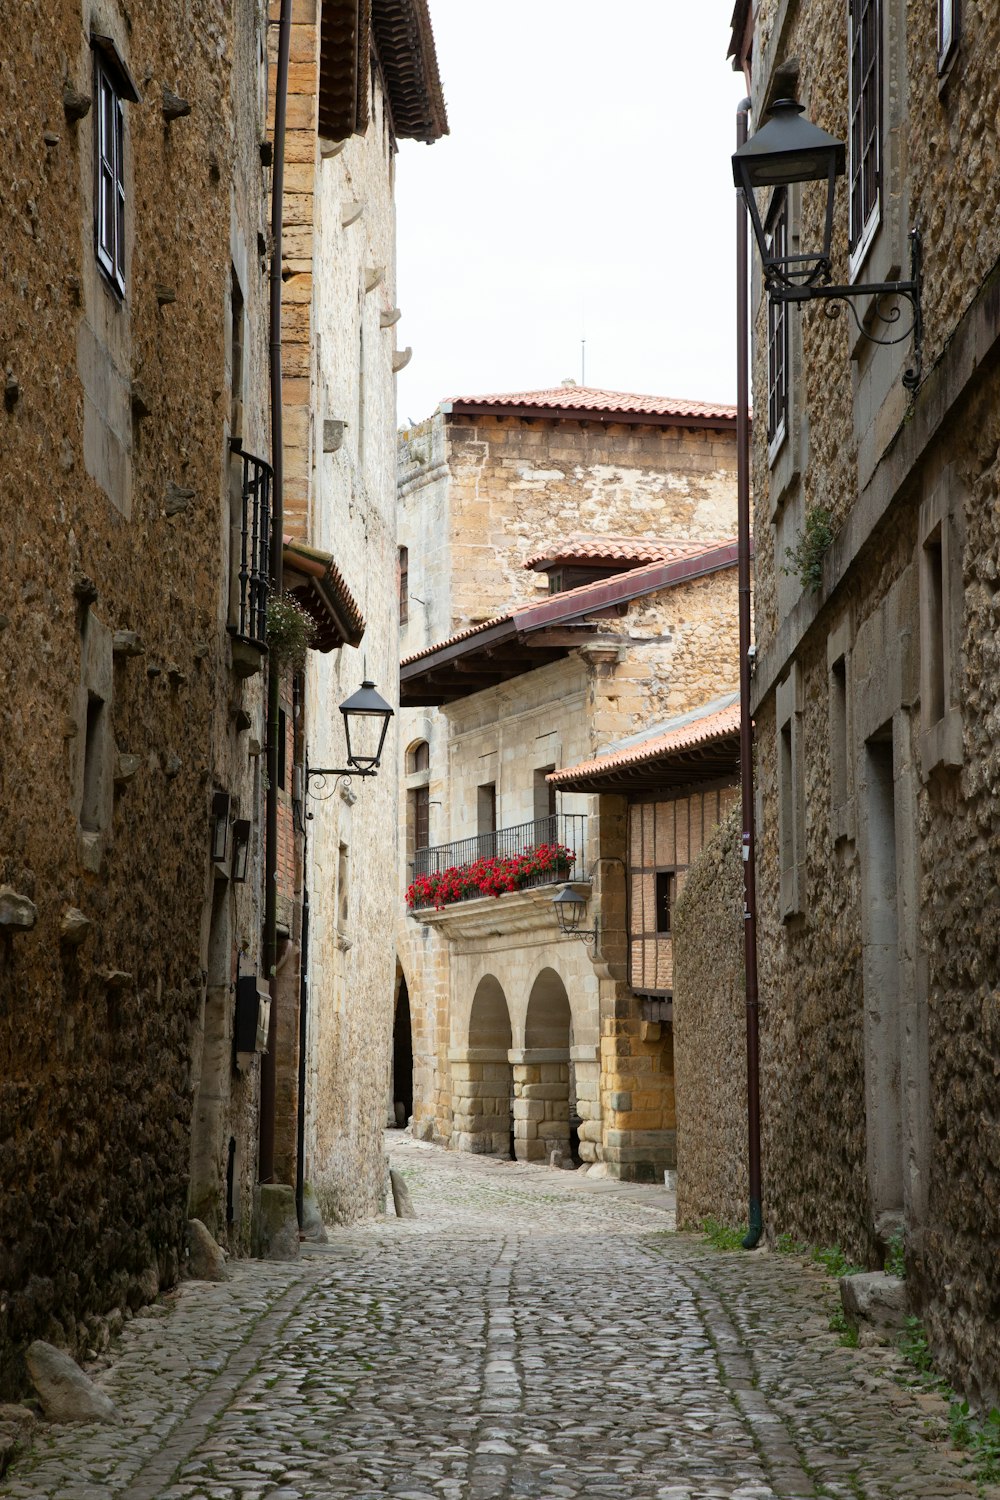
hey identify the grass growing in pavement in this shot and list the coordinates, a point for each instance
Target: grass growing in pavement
(721, 1236)
(978, 1434)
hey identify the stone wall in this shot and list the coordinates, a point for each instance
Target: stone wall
(710, 1034)
(116, 692)
(878, 976)
(351, 506)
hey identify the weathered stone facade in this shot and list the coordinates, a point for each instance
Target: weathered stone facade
(710, 1035)
(524, 1039)
(121, 716)
(339, 366)
(875, 702)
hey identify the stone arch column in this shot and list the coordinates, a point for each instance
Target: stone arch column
(542, 1072)
(481, 1076)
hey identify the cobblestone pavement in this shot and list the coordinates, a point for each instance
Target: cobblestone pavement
(532, 1335)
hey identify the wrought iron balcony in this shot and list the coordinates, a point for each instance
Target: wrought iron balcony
(546, 851)
(254, 549)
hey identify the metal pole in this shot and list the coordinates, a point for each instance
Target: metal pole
(756, 1222)
(268, 1071)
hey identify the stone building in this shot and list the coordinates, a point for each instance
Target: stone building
(363, 78)
(132, 561)
(565, 581)
(876, 691)
(660, 799)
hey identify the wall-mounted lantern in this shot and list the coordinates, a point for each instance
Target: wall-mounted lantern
(366, 724)
(221, 802)
(570, 908)
(787, 149)
(241, 850)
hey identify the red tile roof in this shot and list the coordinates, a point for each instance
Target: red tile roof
(316, 581)
(613, 549)
(718, 725)
(575, 604)
(576, 400)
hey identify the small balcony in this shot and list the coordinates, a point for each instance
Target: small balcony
(547, 851)
(251, 547)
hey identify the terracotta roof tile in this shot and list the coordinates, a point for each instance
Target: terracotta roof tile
(317, 582)
(613, 549)
(619, 588)
(716, 725)
(585, 398)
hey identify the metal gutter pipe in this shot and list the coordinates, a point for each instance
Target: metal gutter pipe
(268, 1071)
(756, 1222)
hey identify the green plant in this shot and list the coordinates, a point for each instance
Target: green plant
(848, 1332)
(834, 1261)
(914, 1348)
(980, 1435)
(721, 1236)
(805, 559)
(289, 632)
(895, 1255)
(785, 1245)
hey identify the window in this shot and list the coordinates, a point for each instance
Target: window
(934, 628)
(109, 201)
(666, 895)
(486, 808)
(777, 328)
(418, 757)
(404, 585)
(282, 748)
(545, 798)
(949, 20)
(419, 819)
(236, 308)
(942, 622)
(839, 744)
(791, 793)
(866, 122)
(92, 807)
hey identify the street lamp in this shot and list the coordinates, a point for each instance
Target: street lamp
(570, 907)
(220, 826)
(366, 724)
(787, 149)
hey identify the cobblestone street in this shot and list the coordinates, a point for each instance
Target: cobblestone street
(530, 1334)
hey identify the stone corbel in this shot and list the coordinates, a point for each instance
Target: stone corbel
(374, 276)
(351, 213)
(401, 359)
(389, 317)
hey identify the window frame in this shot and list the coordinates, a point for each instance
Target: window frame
(949, 31)
(777, 231)
(864, 21)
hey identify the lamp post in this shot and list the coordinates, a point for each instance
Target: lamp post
(366, 724)
(787, 149)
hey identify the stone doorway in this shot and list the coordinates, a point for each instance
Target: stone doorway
(543, 1073)
(482, 1079)
(402, 1058)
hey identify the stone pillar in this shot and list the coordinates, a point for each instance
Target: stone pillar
(480, 1100)
(639, 1119)
(587, 1063)
(541, 1101)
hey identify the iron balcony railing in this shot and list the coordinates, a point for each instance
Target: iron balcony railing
(566, 829)
(255, 549)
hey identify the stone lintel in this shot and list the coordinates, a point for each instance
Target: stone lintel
(525, 1056)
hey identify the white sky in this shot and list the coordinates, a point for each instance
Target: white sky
(585, 186)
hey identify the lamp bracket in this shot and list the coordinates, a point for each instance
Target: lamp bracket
(341, 775)
(901, 291)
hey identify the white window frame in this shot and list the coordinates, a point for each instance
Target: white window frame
(109, 175)
(861, 236)
(777, 326)
(949, 30)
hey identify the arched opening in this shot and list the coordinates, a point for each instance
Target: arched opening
(547, 1088)
(402, 1059)
(483, 1084)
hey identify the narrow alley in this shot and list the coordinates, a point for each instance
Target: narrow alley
(530, 1334)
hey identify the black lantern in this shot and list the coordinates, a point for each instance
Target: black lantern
(241, 850)
(787, 149)
(570, 907)
(366, 723)
(221, 802)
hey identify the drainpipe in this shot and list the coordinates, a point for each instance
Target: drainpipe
(268, 1071)
(756, 1223)
(300, 1121)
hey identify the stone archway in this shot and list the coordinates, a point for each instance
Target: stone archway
(542, 1072)
(402, 1058)
(482, 1077)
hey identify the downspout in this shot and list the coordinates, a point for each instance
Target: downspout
(756, 1223)
(300, 1119)
(268, 1072)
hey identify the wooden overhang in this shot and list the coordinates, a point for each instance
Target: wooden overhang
(399, 34)
(716, 760)
(617, 418)
(496, 650)
(314, 580)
